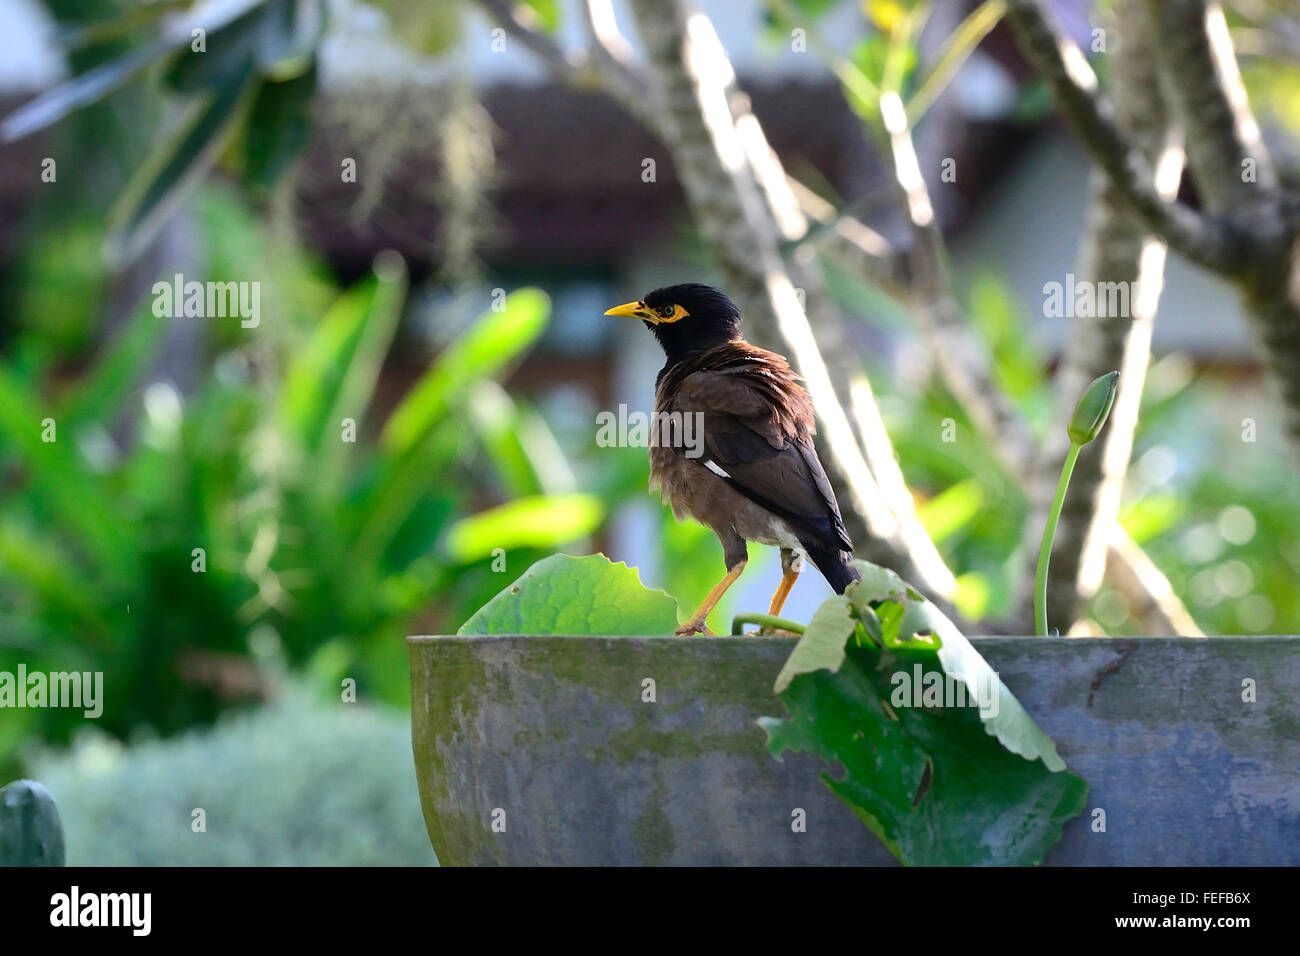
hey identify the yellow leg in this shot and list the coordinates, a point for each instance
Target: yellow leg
(697, 625)
(782, 592)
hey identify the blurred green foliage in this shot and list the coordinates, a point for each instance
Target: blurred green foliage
(173, 540)
(1215, 500)
(299, 783)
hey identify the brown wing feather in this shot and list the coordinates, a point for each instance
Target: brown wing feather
(758, 427)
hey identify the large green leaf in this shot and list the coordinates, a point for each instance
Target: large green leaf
(926, 780)
(576, 595)
(938, 759)
(822, 647)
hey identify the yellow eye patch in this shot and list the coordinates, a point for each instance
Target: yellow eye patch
(675, 313)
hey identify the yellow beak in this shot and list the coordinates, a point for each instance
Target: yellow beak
(634, 310)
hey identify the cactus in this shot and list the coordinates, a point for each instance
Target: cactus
(30, 831)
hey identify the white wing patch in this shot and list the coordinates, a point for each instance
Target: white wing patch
(713, 467)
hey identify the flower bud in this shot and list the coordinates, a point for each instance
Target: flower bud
(1090, 414)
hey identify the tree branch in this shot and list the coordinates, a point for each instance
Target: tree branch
(1212, 243)
(858, 248)
(1148, 592)
(1209, 99)
(962, 361)
(612, 54)
(577, 68)
(1204, 84)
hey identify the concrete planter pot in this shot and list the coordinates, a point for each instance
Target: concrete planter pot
(543, 750)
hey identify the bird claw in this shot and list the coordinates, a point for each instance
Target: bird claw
(691, 628)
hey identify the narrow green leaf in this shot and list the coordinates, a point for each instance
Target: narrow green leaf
(415, 440)
(540, 521)
(160, 186)
(970, 33)
(494, 341)
(61, 485)
(82, 90)
(77, 36)
(228, 55)
(279, 126)
(497, 422)
(333, 376)
(174, 33)
(49, 573)
(316, 370)
(118, 371)
(822, 645)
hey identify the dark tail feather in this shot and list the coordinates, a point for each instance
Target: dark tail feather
(835, 567)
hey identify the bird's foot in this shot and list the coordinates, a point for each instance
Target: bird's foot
(696, 626)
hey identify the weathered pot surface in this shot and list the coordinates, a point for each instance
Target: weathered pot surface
(552, 750)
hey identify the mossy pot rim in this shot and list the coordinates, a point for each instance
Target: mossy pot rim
(553, 732)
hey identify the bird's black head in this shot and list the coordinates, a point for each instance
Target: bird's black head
(686, 318)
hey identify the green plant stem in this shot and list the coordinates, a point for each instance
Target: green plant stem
(1049, 534)
(768, 620)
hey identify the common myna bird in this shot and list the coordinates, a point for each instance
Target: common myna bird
(755, 476)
